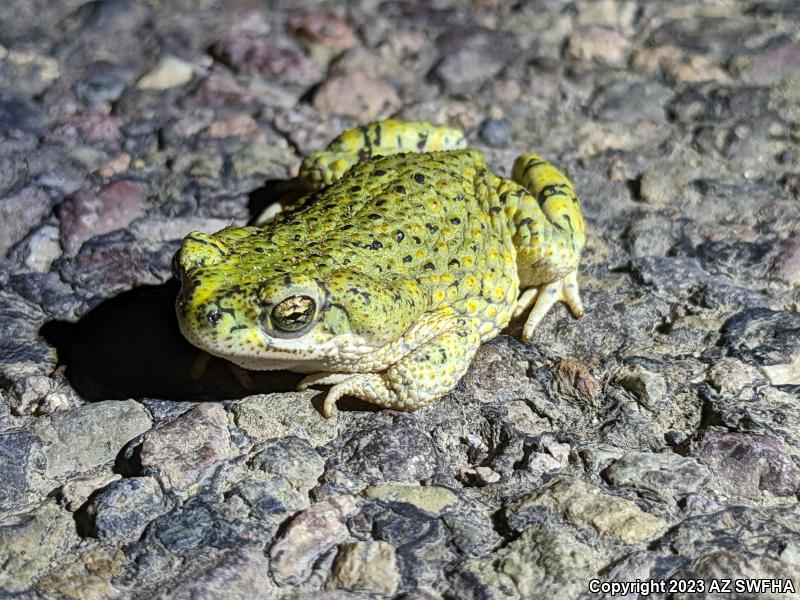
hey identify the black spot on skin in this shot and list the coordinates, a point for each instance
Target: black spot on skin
(399, 236)
(345, 227)
(379, 172)
(259, 249)
(297, 237)
(355, 188)
(365, 295)
(375, 216)
(455, 221)
(429, 265)
(523, 222)
(380, 203)
(416, 240)
(375, 245)
(419, 177)
(431, 228)
(494, 210)
(400, 189)
(454, 263)
(460, 197)
(407, 259)
(238, 327)
(287, 279)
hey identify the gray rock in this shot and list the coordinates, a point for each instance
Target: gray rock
(19, 213)
(16, 112)
(110, 425)
(586, 505)
(663, 473)
(122, 510)
(180, 453)
(290, 458)
(384, 448)
(278, 415)
(472, 56)
(21, 479)
(496, 132)
(240, 573)
(543, 562)
(310, 534)
(630, 102)
(30, 541)
(368, 566)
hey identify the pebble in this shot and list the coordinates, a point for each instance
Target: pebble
(91, 212)
(169, 72)
(495, 132)
(180, 453)
(311, 533)
(598, 44)
(748, 464)
(585, 505)
(366, 566)
(356, 95)
(786, 265)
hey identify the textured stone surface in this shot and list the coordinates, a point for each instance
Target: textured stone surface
(181, 452)
(310, 534)
(665, 473)
(746, 464)
(586, 505)
(368, 566)
(657, 437)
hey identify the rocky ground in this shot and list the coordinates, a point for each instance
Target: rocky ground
(658, 437)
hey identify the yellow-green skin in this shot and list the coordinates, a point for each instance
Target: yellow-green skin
(409, 253)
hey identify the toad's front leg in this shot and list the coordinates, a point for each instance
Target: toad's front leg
(425, 374)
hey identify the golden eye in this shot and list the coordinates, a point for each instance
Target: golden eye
(293, 313)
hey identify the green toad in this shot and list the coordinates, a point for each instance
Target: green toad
(384, 280)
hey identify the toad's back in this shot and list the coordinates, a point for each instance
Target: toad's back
(434, 219)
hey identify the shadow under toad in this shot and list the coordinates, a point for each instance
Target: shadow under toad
(130, 347)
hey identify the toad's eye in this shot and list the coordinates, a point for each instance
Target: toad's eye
(293, 313)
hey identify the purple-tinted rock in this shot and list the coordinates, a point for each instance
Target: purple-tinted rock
(182, 451)
(264, 57)
(748, 464)
(90, 212)
(310, 534)
(773, 63)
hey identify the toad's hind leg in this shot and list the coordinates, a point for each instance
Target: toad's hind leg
(380, 138)
(549, 237)
(425, 374)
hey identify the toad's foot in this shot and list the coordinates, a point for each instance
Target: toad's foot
(323, 378)
(544, 297)
(424, 375)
